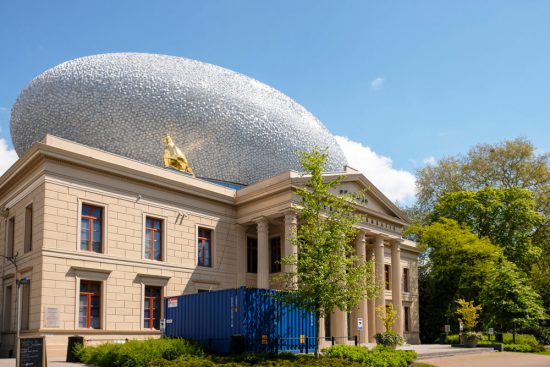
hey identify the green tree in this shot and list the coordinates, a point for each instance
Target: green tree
(468, 314)
(325, 272)
(512, 163)
(507, 216)
(454, 266)
(508, 298)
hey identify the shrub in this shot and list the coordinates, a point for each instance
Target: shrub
(452, 339)
(388, 338)
(520, 339)
(137, 353)
(378, 357)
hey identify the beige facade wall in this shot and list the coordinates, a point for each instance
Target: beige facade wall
(57, 189)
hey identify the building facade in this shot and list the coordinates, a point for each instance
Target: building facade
(103, 239)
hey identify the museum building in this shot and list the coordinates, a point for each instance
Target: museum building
(106, 216)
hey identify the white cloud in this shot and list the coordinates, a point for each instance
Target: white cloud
(377, 83)
(397, 185)
(429, 161)
(7, 156)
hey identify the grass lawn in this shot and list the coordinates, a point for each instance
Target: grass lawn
(545, 353)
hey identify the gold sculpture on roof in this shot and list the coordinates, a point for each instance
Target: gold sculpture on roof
(174, 158)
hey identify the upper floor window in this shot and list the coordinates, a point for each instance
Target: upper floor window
(251, 255)
(90, 305)
(91, 228)
(11, 237)
(153, 238)
(27, 245)
(204, 244)
(387, 276)
(405, 279)
(275, 250)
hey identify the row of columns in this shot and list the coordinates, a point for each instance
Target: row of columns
(366, 309)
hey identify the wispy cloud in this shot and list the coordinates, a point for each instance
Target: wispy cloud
(430, 161)
(397, 185)
(377, 83)
(7, 156)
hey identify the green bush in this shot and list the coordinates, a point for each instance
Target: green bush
(521, 339)
(388, 338)
(380, 356)
(137, 353)
(452, 339)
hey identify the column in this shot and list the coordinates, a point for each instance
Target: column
(240, 248)
(396, 286)
(379, 269)
(339, 326)
(291, 224)
(371, 303)
(262, 280)
(361, 311)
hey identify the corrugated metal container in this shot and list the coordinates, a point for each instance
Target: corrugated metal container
(211, 318)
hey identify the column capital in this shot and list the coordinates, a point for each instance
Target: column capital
(291, 217)
(262, 224)
(361, 236)
(396, 245)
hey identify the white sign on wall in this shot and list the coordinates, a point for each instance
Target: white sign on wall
(51, 317)
(172, 302)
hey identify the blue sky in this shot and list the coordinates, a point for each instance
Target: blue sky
(409, 81)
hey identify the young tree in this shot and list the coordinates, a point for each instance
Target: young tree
(326, 273)
(468, 314)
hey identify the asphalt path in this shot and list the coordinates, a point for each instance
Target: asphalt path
(503, 359)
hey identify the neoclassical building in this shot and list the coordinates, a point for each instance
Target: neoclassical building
(103, 232)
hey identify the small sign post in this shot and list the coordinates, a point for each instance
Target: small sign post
(461, 327)
(491, 332)
(447, 329)
(360, 323)
(32, 352)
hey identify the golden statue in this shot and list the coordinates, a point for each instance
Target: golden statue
(174, 158)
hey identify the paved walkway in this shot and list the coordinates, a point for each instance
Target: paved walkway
(442, 350)
(498, 359)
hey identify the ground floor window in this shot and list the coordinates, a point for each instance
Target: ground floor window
(406, 318)
(152, 306)
(328, 331)
(90, 305)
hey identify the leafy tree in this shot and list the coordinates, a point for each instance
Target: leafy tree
(506, 215)
(512, 163)
(455, 266)
(467, 313)
(388, 315)
(508, 298)
(325, 272)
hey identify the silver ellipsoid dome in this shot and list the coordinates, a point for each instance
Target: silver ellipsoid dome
(231, 127)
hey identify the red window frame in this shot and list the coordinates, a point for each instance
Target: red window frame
(154, 230)
(149, 304)
(204, 237)
(89, 294)
(91, 218)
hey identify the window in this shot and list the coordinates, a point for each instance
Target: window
(328, 331)
(28, 229)
(406, 318)
(405, 279)
(91, 231)
(387, 276)
(25, 305)
(151, 308)
(202, 291)
(204, 244)
(251, 255)
(90, 305)
(7, 308)
(153, 238)
(11, 237)
(275, 250)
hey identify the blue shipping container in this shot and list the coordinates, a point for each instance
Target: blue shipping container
(267, 324)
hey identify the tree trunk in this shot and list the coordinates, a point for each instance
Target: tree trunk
(317, 334)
